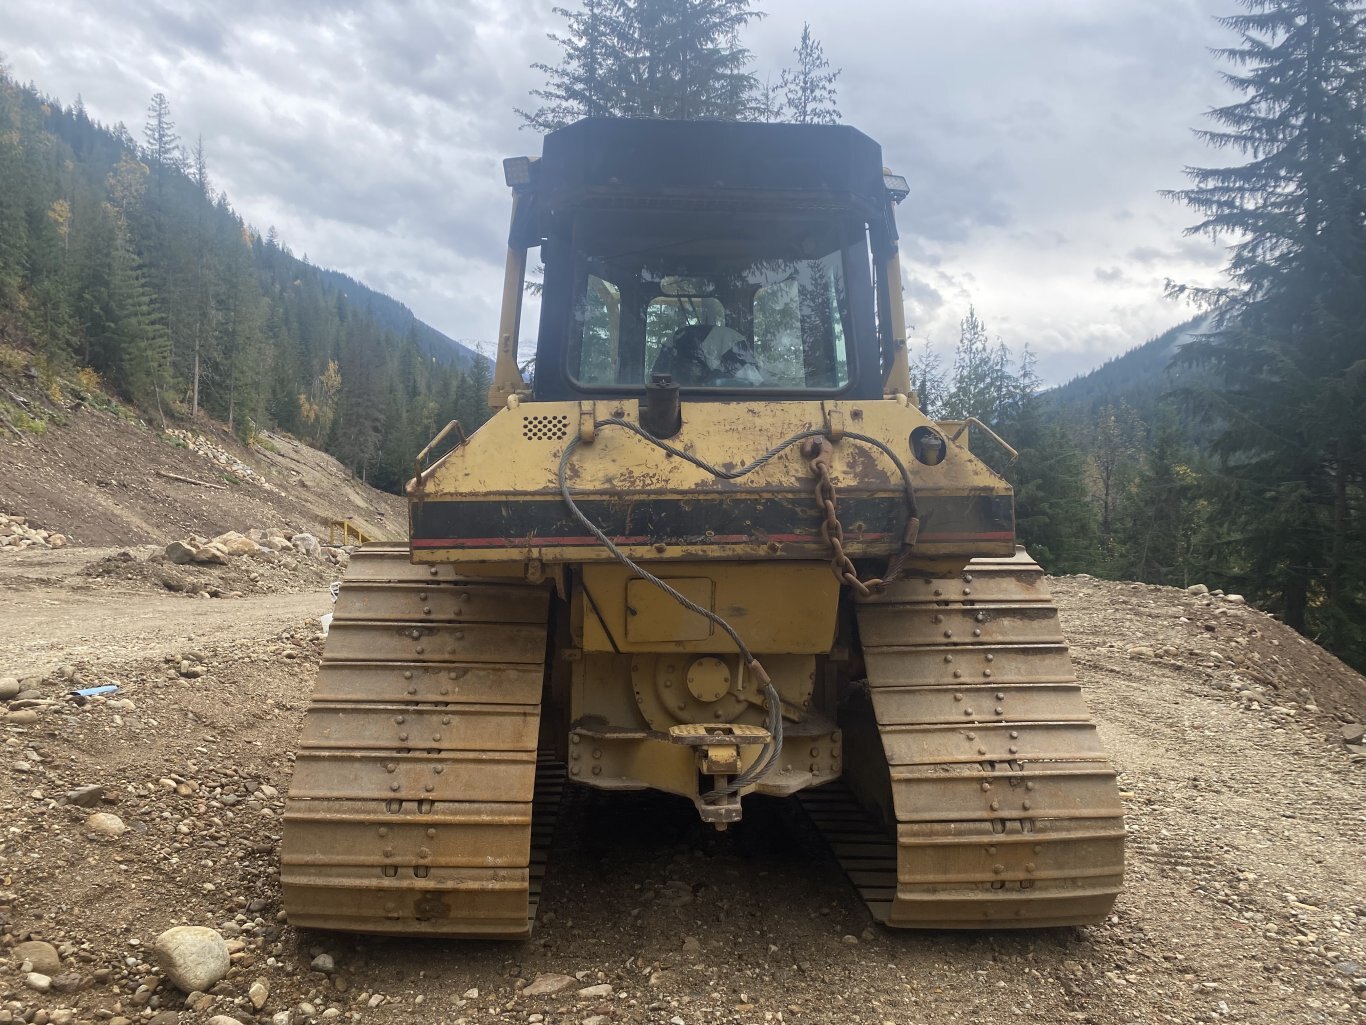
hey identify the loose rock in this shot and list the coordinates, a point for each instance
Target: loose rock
(549, 985)
(106, 824)
(43, 956)
(193, 957)
(86, 796)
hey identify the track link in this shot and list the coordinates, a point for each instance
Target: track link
(1007, 812)
(411, 806)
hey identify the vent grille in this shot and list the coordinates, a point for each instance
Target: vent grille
(545, 427)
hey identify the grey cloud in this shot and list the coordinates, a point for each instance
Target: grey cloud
(1035, 137)
(922, 301)
(1146, 254)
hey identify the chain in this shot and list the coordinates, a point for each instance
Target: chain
(819, 452)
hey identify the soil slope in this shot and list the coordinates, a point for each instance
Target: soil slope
(106, 478)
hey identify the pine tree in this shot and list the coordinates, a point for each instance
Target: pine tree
(13, 219)
(982, 384)
(648, 58)
(137, 331)
(769, 105)
(809, 88)
(1288, 367)
(98, 251)
(584, 84)
(928, 380)
(163, 145)
(201, 296)
(1116, 438)
(1161, 520)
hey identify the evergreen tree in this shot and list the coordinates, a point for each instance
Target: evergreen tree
(769, 105)
(809, 88)
(1287, 369)
(163, 145)
(1116, 439)
(982, 384)
(648, 58)
(13, 217)
(101, 256)
(201, 294)
(585, 83)
(1161, 522)
(928, 380)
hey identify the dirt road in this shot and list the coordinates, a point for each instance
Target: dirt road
(1245, 900)
(52, 614)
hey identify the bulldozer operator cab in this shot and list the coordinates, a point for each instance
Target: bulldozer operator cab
(738, 259)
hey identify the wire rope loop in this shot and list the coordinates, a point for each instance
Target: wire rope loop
(818, 449)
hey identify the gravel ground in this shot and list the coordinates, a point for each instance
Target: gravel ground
(1245, 899)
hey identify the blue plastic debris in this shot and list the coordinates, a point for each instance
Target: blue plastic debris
(92, 692)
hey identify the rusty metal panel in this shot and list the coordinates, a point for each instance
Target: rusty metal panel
(459, 727)
(952, 705)
(1086, 903)
(886, 625)
(522, 643)
(419, 683)
(363, 833)
(787, 607)
(1081, 792)
(653, 616)
(351, 775)
(1059, 849)
(1006, 585)
(466, 902)
(950, 664)
(463, 602)
(923, 744)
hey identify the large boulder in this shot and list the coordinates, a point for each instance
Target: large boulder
(308, 544)
(212, 554)
(236, 544)
(194, 958)
(182, 553)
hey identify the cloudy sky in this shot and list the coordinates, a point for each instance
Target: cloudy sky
(1036, 135)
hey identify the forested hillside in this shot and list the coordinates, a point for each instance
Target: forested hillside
(1142, 377)
(120, 256)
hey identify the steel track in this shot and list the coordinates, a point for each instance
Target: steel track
(419, 805)
(1005, 805)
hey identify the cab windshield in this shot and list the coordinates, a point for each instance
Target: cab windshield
(716, 301)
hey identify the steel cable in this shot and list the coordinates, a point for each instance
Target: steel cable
(773, 748)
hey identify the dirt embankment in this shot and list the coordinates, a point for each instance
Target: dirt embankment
(102, 476)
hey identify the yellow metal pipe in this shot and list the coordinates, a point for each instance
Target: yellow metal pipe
(898, 380)
(507, 378)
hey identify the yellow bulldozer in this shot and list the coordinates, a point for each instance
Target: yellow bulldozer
(711, 547)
